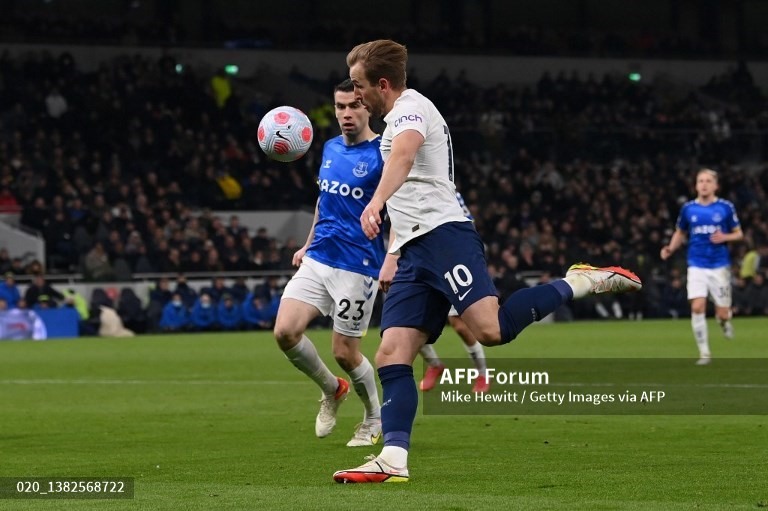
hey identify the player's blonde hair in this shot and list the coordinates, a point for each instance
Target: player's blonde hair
(711, 172)
(382, 58)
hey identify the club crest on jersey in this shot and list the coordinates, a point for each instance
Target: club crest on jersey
(717, 217)
(361, 169)
(327, 164)
(694, 218)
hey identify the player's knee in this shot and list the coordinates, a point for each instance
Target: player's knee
(698, 309)
(489, 336)
(347, 359)
(286, 336)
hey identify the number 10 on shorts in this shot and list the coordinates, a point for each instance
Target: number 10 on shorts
(459, 276)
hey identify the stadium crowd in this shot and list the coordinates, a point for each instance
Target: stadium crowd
(321, 30)
(113, 167)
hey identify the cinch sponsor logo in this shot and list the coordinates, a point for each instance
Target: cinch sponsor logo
(705, 229)
(409, 117)
(342, 189)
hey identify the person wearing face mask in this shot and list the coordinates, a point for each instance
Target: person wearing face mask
(203, 316)
(175, 316)
(229, 313)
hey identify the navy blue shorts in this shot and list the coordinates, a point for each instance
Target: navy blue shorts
(444, 267)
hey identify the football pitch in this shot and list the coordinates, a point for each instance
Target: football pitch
(224, 421)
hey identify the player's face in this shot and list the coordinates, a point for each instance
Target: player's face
(350, 112)
(706, 185)
(369, 93)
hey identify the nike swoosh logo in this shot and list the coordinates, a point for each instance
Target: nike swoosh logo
(462, 296)
(280, 135)
(375, 438)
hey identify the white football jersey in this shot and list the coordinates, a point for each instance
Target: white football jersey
(427, 199)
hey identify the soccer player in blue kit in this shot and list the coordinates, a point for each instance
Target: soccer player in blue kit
(442, 261)
(708, 223)
(338, 272)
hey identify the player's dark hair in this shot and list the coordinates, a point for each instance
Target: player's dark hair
(382, 58)
(345, 86)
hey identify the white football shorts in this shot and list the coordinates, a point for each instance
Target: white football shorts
(344, 295)
(715, 282)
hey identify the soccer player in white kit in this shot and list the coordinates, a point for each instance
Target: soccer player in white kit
(435, 366)
(442, 261)
(708, 223)
(338, 272)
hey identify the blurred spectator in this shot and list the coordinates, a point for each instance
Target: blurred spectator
(217, 289)
(741, 305)
(175, 316)
(239, 290)
(258, 312)
(38, 288)
(44, 302)
(5, 261)
(8, 202)
(203, 314)
(77, 301)
(161, 293)
(675, 299)
(131, 311)
(750, 263)
(183, 289)
(9, 291)
(221, 87)
(97, 266)
(229, 313)
(757, 296)
(55, 104)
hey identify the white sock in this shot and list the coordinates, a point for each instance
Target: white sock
(304, 356)
(395, 456)
(725, 322)
(617, 312)
(364, 382)
(601, 310)
(430, 355)
(699, 325)
(477, 354)
(580, 284)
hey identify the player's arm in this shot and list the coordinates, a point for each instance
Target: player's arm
(299, 255)
(723, 237)
(396, 170)
(388, 269)
(677, 241)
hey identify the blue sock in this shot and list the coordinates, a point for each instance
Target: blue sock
(531, 304)
(398, 405)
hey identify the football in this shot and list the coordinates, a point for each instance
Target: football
(285, 134)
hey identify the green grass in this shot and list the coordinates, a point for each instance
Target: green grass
(223, 421)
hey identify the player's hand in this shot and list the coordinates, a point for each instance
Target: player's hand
(718, 237)
(371, 218)
(298, 257)
(387, 272)
(665, 252)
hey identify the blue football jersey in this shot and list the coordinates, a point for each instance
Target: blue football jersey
(700, 222)
(348, 178)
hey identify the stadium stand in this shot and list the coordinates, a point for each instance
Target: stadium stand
(120, 168)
